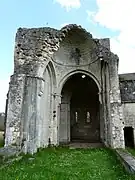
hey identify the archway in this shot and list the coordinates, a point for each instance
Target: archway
(79, 111)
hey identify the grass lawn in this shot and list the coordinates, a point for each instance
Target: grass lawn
(67, 164)
(131, 150)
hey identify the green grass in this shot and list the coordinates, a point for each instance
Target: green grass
(67, 164)
(131, 151)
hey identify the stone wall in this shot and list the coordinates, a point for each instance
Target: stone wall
(127, 88)
(78, 51)
(63, 53)
(129, 114)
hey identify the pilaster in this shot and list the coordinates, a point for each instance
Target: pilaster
(116, 123)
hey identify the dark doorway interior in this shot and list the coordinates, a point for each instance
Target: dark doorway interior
(129, 137)
(84, 108)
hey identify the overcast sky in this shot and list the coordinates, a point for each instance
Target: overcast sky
(102, 18)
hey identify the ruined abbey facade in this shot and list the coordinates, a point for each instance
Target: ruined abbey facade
(66, 88)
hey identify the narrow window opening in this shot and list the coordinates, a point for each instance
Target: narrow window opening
(76, 116)
(88, 117)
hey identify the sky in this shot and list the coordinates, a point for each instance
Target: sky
(102, 18)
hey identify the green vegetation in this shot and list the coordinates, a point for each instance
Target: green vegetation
(67, 164)
(131, 151)
(1, 139)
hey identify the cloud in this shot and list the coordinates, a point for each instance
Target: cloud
(90, 16)
(126, 55)
(69, 4)
(118, 15)
(3, 93)
(115, 14)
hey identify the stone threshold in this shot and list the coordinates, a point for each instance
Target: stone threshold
(76, 145)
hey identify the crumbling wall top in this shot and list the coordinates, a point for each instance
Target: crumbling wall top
(35, 46)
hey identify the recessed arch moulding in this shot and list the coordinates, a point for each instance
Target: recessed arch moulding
(44, 59)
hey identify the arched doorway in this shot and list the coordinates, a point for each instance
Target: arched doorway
(79, 111)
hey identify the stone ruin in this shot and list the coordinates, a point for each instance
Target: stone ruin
(66, 88)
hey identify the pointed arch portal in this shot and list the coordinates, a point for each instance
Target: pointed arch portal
(79, 110)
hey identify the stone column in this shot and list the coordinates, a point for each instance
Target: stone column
(103, 106)
(40, 111)
(116, 120)
(14, 110)
(31, 115)
(63, 134)
(56, 118)
(107, 102)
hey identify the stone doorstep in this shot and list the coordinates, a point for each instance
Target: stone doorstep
(127, 160)
(85, 145)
